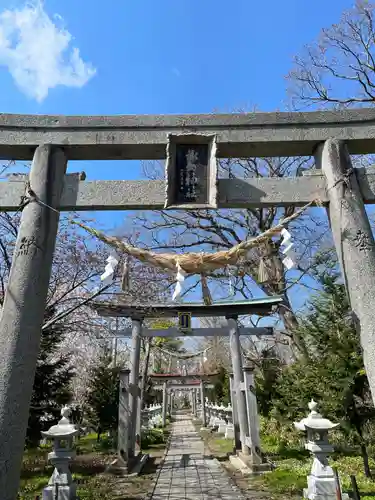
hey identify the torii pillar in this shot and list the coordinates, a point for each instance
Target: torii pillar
(134, 385)
(354, 243)
(252, 414)
(238, 380)
(24, 307)
(204, 418)
(123, 419)
(236, 425)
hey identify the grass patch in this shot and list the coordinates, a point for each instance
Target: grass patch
(91, 486)
(293, 464)
(88, 471)
(32, 486)
(218, 446)
(89, 466)
(288, 478)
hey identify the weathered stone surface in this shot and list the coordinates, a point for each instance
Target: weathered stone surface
(142, 195)
(145, 137)
(134, 391)
(236, 355)
(198, 332)
(23, 311)
(354, 244)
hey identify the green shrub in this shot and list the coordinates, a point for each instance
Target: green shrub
(152, 437)
(289, 477)
(106, 443)
(277, 437)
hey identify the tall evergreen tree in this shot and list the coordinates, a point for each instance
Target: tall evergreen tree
(103, 394)
(333, 372)
(51, 388)
(268, 371)
(221, 386)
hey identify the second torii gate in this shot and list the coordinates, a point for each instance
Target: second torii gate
(230, 310)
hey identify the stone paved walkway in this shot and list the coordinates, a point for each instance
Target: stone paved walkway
(186, 474)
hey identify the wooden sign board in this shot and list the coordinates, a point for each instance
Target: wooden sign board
(191, 171)
(184, 321)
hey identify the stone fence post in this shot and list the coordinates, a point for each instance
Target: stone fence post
(252, 415)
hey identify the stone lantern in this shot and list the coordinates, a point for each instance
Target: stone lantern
(61, 485)
(321, 483)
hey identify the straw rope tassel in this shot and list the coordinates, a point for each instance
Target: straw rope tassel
(207, 299)
(125, 279)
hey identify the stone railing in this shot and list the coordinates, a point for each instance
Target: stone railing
(220, 418)
(151, 417)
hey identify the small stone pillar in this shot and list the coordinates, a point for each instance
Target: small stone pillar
(208, 413)
(139, 415)
(222, 421)
(170, 403)
(214, 417)
(61, 485)
(194, 403)
(123, 417)
(165, 404)
(229, 431)
(204, 419)
(121, 464)
(134, 386)
(321, 484)
(236, 425)
(252, 415)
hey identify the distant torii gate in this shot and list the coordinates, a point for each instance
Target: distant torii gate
(228, 309)
(191, 382)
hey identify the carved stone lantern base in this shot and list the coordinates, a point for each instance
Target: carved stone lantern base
(321, 484)
(229, 431)
(67, 492)
(222, 427)
(322, 489)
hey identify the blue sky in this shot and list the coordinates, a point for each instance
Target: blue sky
(151, 56)
(174, 56)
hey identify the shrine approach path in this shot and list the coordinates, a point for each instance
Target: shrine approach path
(186, 474)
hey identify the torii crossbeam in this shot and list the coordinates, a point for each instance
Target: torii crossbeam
(195, 332)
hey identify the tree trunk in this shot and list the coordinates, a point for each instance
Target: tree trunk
(366, 465)
(291, 325)
(277, 285)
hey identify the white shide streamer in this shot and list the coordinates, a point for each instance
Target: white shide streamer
(112, 262)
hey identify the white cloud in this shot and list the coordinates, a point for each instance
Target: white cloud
(37, 54)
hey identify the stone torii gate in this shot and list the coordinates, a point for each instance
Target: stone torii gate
(190, 382)
(50, 141)
(228, 309)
